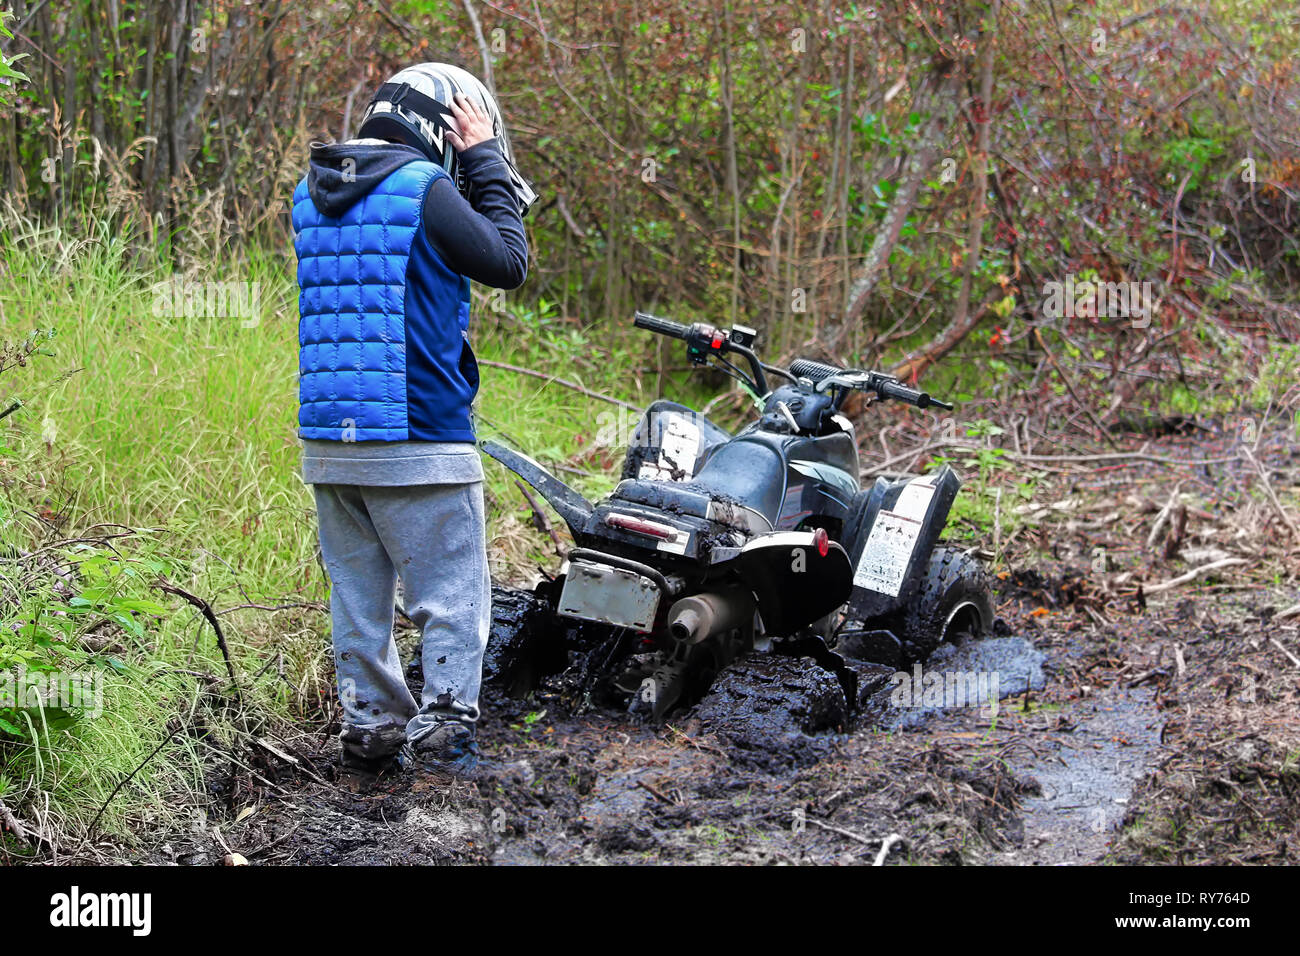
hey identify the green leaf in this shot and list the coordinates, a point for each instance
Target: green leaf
(142, 605)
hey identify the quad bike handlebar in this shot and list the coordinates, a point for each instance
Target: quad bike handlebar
(652, 323)
(815, 372)
(704, 340)
(890, 387)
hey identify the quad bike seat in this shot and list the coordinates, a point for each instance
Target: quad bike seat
(742, 472)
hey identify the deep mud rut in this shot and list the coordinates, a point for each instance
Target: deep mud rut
(1069, 768)
(1125, 731)
(1045, 777)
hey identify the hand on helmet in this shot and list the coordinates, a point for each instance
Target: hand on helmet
(472, 121)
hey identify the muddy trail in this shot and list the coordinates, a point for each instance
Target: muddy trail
(1103, 721)
(760, 772)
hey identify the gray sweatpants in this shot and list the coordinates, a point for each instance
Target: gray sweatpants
(433, 538)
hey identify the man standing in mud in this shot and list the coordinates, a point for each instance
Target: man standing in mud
(389, 229)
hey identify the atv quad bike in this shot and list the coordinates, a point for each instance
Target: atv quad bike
(713, 544)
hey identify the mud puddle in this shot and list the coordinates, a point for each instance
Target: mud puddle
(609, 805)
(1078, 759)
(1091, 759)
(971, 674)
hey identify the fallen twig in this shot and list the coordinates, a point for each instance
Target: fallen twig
(886, 847)
(1193, 575)
(1147, 675)
(559, 381)
(205, 609)
(1098, 618)
(1159, 523)
(1278, 644)
(287, 758)
(697, 743)
(274, 843)
(654, 791)
(832, 828)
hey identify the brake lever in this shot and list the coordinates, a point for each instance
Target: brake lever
(861, 380)
(879, 385)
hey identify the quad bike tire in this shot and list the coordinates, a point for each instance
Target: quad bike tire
(952, 600)
(524, 643)
(767, 696)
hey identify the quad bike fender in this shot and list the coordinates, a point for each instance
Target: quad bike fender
(793, 580)
(568, 504)
(892, 529)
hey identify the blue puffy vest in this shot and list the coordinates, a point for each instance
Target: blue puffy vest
(382, 320)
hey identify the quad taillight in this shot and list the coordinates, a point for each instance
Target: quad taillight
(636, 525)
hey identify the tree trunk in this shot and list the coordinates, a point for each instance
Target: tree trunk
(939, 88)
(964, 320)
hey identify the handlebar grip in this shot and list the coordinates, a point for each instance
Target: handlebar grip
(901, 393)
(910, 395)
(652, 323)
(815, 371)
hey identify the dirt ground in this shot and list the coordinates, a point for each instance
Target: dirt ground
(1146, 724)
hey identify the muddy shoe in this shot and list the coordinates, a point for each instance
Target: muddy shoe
(360, 774)
(369, 754)
(353, 762)
(450, 748)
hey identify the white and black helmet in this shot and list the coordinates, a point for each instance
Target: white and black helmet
(413, 107)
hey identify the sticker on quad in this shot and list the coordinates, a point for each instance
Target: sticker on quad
(893, 530)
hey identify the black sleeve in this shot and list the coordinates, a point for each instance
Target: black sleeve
(486, 241)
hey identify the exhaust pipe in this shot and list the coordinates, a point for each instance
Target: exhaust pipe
(700, 616)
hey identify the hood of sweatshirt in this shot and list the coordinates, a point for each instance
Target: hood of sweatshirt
(342, 173)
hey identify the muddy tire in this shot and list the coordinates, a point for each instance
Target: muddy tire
(525, 643)
(768, 696)
(953, 599)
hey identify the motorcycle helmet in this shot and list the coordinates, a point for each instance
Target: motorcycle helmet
(413, 107)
